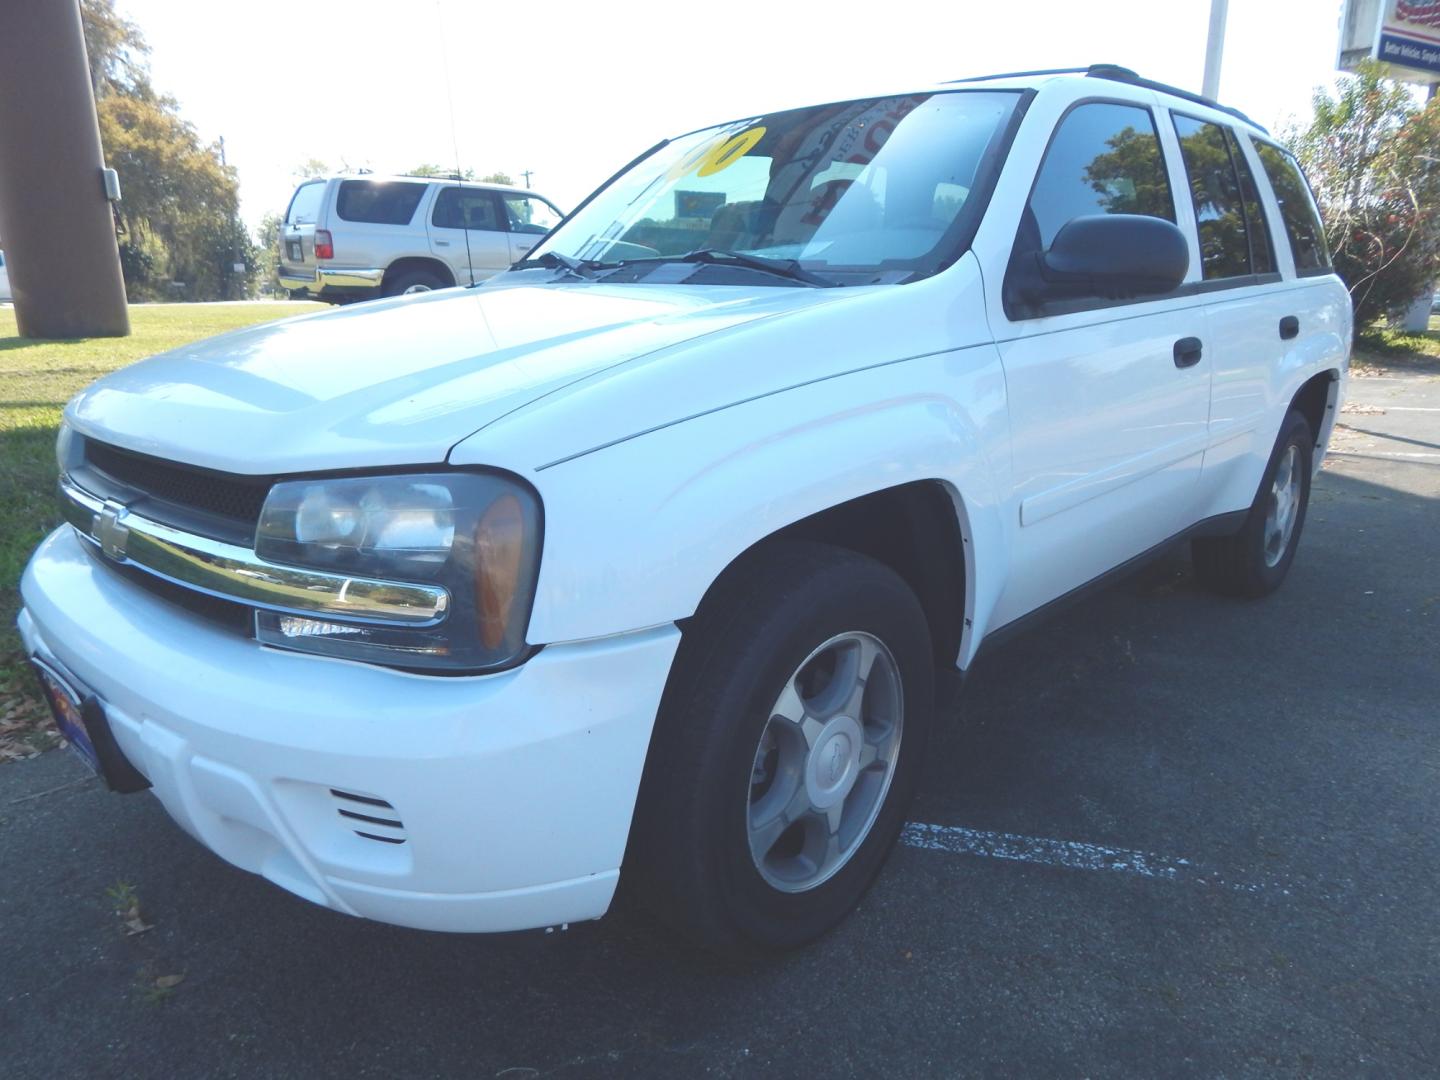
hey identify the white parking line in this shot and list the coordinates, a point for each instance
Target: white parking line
(1394, 455)
(1071, 855)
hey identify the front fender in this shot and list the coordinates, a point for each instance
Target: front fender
(636, 532)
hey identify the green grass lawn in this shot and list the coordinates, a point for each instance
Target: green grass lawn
(36, 379)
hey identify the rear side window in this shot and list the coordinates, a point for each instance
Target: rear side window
(305, 204)
(378, 202)
(1104, 159)
(1297, 209)
(1262, 250)
(1215, 192)
(458, 208)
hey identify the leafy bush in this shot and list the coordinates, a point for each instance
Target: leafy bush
(1371, 153)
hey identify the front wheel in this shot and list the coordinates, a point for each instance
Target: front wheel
(787, 748)
(1254, 561)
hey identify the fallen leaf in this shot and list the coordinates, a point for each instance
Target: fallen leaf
(168, 982)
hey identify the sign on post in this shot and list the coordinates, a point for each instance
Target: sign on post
(1404, 35)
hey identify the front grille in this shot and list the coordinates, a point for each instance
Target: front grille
(228, 614)
(238, 498)
(370, 817)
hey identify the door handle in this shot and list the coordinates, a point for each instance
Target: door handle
(442, 243)
(1188, 351)
(1289, 327)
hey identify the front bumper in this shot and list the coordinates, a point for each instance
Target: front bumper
(330, 279)
(512, 792)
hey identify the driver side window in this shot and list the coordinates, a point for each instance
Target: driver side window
(1104, 158)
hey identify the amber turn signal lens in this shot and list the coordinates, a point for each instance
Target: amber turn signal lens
(500, 547)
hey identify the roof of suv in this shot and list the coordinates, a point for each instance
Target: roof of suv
(1112, 73)
(389, 178)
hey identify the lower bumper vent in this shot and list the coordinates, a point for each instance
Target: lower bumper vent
(370, 817)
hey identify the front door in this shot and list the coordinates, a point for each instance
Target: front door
(529, 219)
(1109, 398)
(467, 230)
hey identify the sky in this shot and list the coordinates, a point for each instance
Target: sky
(572, 91)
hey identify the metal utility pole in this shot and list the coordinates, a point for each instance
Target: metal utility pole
(1215, 48)
(55, 214)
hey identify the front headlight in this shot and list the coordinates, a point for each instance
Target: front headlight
(475, 534)
(67, 451)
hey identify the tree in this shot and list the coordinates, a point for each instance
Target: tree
(267, 243)
(497, 178)
(116, 49)
(180, 205)
(1129, 177)
(1371, 154)
(178, 223)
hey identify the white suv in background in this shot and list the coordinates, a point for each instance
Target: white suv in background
(4, 279)
(353, 237)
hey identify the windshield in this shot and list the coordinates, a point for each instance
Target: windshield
(871, 190)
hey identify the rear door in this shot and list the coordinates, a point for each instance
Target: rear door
(297, 231)
(529, 218)
(1245, 304)
(467, 230)
(374, 222)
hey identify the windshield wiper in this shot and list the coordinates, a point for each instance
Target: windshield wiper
(553, 260)
(786, 268)
(790, 269)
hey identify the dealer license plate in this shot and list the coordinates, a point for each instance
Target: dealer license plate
(67, 705)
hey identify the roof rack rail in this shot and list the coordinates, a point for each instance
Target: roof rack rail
(1116, 73)
(1021, 75)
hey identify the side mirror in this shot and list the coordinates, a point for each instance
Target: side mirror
(1116, 256)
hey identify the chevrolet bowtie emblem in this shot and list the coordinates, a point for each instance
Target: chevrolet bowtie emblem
(110, 530)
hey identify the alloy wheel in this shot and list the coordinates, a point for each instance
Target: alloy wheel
(824, 762)
(1284, 506)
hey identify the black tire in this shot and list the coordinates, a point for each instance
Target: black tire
(1245, 563)
(690, 858)
(416, 280)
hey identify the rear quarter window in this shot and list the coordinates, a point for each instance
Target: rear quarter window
(304, 206)
(1298, 212)
(378, 202)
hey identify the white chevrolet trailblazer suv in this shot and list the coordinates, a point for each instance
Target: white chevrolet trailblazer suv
(646, 557)
(354, 237)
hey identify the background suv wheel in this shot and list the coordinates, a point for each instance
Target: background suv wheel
(413, 281)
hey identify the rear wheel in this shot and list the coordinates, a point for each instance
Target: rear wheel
(787, 749)
(1254, 561)
(413, 281)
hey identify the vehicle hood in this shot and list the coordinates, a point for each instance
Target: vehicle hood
(399, 382)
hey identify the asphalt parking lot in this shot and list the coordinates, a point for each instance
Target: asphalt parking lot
(1170, 835)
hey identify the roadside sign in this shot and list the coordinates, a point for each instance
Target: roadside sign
(1404, 35)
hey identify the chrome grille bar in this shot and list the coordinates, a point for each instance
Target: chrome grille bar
(237, 573)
